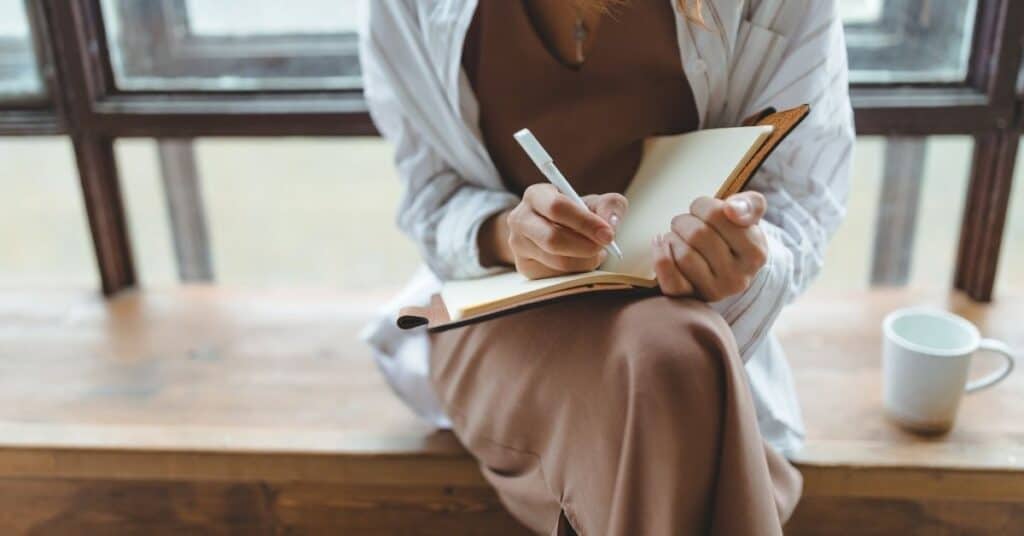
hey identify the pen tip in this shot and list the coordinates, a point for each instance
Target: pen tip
(616, 250)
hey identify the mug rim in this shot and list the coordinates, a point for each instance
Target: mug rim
(890, 333)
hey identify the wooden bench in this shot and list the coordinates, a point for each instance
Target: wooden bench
(205, 409)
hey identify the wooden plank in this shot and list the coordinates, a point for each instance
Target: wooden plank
(214, 408)
(937, 453)
(96, 506)
(899, 483)
(896, 219)
(30, 123)
(183, 196)
(353, 468)
(841, 516)
(158, 507)
(207, 370)
(917, 111)
(234, 115)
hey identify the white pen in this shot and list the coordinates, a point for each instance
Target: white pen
(546, 165)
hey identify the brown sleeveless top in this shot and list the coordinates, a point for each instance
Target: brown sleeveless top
(591, 119)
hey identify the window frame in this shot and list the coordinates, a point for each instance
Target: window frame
(193, 113)
(86, 104)
(982, 102)
(34, 115)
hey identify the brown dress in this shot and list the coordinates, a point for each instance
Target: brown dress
(609, 413)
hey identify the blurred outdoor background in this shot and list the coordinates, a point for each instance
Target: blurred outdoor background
(316, 212)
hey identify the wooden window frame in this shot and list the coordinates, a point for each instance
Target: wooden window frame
(86, 105)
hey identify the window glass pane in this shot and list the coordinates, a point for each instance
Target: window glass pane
(265, 17)
(908, 40)
(1011, 262)
(211, 45)
(19, 75)
(214, 45)
(295, 212)
(304, 212)
(44, 235)
(146, 208)
(939, 207)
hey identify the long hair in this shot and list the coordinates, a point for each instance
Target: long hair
(692, 9)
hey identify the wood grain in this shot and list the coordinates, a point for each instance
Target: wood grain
(98, 506)
(842, 516)
(261, 412)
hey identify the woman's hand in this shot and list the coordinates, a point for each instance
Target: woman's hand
(548, 234)
(715, 250)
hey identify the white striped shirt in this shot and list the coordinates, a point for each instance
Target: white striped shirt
(753, 54)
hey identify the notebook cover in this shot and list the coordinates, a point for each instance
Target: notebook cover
(784, 123)
(435, 315)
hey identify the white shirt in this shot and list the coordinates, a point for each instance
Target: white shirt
(754, 54)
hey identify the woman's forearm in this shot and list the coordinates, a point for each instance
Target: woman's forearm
(493, 241)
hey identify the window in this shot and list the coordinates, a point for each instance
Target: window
(191, 92)
(908, 40)
(211, 45)
(903, 215)
(19, 73)
(279, 212)
(304, 212)
(44, 240)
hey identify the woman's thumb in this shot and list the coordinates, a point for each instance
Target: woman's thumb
(745, 208)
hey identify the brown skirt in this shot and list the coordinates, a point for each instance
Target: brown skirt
(614, 414)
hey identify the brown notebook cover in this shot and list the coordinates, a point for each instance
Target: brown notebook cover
(435, 315)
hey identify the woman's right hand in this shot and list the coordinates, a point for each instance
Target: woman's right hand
(549, 234)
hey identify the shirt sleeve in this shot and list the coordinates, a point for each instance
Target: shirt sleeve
(439, 209)
(806, 179)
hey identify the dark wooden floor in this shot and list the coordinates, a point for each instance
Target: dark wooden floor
(204, 410)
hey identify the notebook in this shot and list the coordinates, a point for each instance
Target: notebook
(674, 171)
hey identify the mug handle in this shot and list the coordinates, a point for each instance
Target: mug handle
(998, 347)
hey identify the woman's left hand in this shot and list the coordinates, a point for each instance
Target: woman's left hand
(715, 250)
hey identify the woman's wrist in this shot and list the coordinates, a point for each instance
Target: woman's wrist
(493, 241)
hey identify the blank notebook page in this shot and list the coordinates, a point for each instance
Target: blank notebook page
(675, 171)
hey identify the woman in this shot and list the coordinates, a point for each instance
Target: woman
(611, 414)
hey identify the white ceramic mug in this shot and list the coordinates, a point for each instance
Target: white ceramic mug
(926, 356)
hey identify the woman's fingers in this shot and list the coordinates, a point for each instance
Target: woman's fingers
(609, 207)
(547, 201)
(533, 261)
(746, 242)
(707, 241)
(671, 281)
(693, 267)
(533, 269)
(745, 208)
(549, 234)
(553, 238)
(569, 264)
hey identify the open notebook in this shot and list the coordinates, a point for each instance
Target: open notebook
(674, 171)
